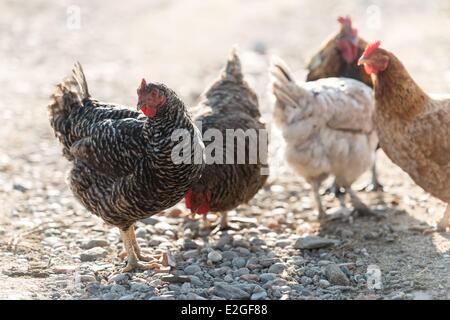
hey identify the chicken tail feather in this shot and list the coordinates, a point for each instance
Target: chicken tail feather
(68, 95)
(283, 84)
(233, 69)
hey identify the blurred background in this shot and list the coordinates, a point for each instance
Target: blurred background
(183, 44)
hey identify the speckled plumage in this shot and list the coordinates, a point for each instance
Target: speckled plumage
(229, 103)
(121, 160)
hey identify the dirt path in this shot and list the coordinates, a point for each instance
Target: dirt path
(44, 232)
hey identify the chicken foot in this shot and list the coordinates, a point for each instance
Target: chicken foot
(133, 252)
(375, 185)
(358, 205)
(445, 222)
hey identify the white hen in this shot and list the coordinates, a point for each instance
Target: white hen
(328, 129)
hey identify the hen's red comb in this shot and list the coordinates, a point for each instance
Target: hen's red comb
(141, 89)
(372, 46)
(345, 20)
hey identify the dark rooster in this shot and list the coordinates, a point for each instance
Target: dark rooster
(338, 57)
(229, 103)
(122, 167)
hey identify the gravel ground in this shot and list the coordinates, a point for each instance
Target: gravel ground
(51, 248)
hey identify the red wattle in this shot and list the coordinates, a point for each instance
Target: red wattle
(188, 199)
(369, 69)
(149, 112)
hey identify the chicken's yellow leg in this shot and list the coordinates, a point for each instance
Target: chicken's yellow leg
(133, 252)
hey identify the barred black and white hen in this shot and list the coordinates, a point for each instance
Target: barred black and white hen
(122, 166)
(229, 106)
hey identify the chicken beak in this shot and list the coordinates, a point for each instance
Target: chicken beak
(139, 106)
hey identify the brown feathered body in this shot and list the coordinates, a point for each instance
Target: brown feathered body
(121, 163)
(413, 128)
(229, 103)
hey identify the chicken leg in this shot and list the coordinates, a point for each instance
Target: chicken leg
(315, 186)
(375, 185)
(359, 206)
(133, 252)
(445, 222)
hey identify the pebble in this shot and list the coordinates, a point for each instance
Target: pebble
(214, 256)
(141, 233)
(277, 268)
(241, 272)
(177, 279)
(110, 296)
(196, 281)
(265, 277)
(313, 242)
(335, 275)
(119, 278)
(192, 269)
(93, 254)
(239, 262)
(128, 297)
(194, 296)
(63, 269)
(324, 283)
(224, 290)
(228, 278)
(189, 244)
(92, 243)
(87, 278)
(259, 295)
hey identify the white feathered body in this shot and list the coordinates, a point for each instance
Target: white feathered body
(327, 125)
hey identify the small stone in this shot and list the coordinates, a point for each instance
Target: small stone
(313, 242)
(250, 277)
(224, 290)
(305, 280)
(64, 269)
(192, 269)
(110, 296)
(119, 278)
(141, 233)
(177, 279)
(214, 256)
(228, 278)
(127, 297)
(324, 283)
(335, 275)
(283, 243)
(259, 295)
(189, 244)
(92, 243)
(265, 277)
(196, 281)
(239, 262)
(241, 272)
(93, 254)
(142, 287)
(194, 296)
(277, 268)
(185, 287)
(229, 255)
(87, 278)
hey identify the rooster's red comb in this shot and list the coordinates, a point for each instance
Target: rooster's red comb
(345, 20)
(372, 46)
